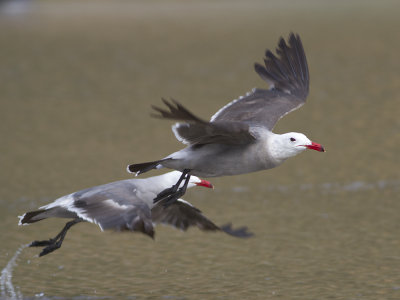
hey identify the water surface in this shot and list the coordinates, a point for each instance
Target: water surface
(77, 84)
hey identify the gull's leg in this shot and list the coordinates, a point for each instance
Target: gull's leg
(173, 190)
(49, 241)
(56, 242)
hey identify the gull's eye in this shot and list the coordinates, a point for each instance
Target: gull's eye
(292, 139)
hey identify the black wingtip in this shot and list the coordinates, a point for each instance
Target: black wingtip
(240, 232)
(175, 111)
(288, 69)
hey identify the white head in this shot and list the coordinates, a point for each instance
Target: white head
(283, 146)
(193, 181)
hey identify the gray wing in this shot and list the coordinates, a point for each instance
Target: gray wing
(196, 131)
(181, 215)
(113, 206)
(288, 77)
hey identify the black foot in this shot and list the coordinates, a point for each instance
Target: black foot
(50, 248)
(164, 194)
(172, 194)
(171, 199)
(42, 243)
(56, 242)
(51, 244)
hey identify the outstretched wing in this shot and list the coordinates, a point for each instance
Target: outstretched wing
(196, 131)
(181, 215)
(288, 76)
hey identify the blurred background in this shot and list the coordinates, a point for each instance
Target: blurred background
(77, 80)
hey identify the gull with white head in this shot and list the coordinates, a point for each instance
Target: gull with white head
(126, 205)
(239, 139)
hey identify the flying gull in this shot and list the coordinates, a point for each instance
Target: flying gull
(239, 139)
(126, 205)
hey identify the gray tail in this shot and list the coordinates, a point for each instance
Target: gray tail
(289, 71)
(144, 167)
(32, 217)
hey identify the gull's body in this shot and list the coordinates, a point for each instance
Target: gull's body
(232, 159)
(125, 205)
(239, 139)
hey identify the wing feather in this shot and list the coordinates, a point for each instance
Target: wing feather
(111, 206)
(182, 215)
(199, 132)
(288, 76)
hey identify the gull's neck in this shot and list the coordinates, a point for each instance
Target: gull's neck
(276, 149)
(158, 183)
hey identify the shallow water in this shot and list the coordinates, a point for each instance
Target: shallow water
(77, 84)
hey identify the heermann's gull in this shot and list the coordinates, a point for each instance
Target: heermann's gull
(239, 138)
(125, 205)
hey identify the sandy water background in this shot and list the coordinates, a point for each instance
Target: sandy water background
(77, 81)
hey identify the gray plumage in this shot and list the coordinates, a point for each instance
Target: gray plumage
(289, 84)
(239, 139)
(125, 205)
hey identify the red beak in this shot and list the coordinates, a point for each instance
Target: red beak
(205, 183)
(315, 146)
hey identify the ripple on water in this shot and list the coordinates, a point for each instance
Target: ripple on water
(329, 187)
